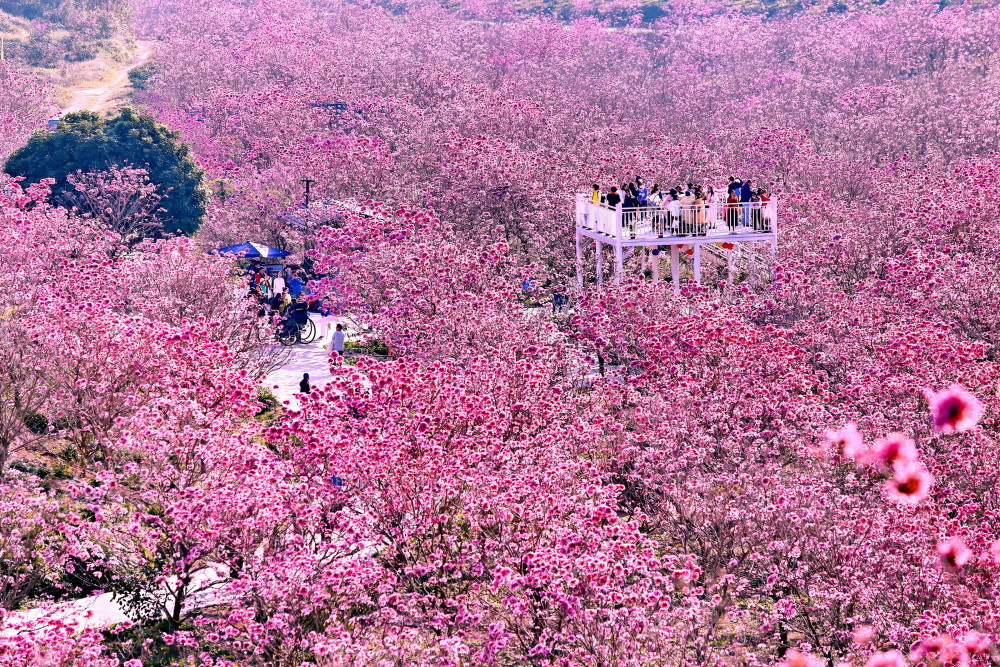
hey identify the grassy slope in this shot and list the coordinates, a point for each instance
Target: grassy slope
(65, 67)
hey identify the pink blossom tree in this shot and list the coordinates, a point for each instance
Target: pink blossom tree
(122, 199)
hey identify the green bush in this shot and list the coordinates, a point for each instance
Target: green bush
(84, 141)
(60, 470)
(373, 346)
(268, 403)
(140, 76)
(37, 423)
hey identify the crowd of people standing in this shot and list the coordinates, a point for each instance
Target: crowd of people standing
(687, 211)
(263, 286)
(291, 301)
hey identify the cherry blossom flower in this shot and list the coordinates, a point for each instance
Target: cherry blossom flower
(953, 553)
(910, 483)
(862, 635)
(796, 658)
(847, 443)
(886, 659)
(954, 409)
(976, 643)
(894, 448)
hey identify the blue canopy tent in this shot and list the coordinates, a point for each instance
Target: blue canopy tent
(250, 249)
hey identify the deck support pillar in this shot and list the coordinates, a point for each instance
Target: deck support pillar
(600, 262)
(654, 257)
(619, 263)
(774, 256)
(675, 269)
(697, 263)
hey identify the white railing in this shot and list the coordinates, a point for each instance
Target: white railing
(673, 219)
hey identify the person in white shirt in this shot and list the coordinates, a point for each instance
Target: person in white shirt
(337, 345)
(674, 208)
(655, 203)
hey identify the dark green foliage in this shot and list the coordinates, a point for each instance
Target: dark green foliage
(42, 471)
(85, 141)
(31, 9)
(141, 641)
(374, 347)
(57, 9)
(268, 403)
(37, 423)
(140, 76)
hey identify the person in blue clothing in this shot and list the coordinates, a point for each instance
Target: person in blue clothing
(746, 196)
(558, 301)
(642, 194)
(295, 286)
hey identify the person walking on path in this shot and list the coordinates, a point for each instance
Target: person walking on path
(337, 344)
(304, 387)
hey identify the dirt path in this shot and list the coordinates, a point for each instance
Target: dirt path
(109, 95)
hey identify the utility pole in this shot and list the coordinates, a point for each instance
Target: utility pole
(308, 182)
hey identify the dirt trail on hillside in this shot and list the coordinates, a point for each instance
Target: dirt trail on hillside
(108, 96)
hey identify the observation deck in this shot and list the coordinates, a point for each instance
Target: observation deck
(721, 226)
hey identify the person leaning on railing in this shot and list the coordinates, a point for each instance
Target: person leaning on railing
(674, 209)
(732, 211)
(613, 198)
(746, 197)
(629, 204)
(765, 205)
(655, 203)
(699, 213)
(687, 213)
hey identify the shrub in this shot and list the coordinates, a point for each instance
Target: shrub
(88, 143)
(37, 423)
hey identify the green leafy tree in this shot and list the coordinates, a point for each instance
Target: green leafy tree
(84, 141)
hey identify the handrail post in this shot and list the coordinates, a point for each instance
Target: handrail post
(618, 221)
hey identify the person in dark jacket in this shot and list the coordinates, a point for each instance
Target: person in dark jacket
(746, 196)
(630, 203)
(614, 198)
(304, 384)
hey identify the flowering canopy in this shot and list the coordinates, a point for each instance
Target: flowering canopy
(797, 466)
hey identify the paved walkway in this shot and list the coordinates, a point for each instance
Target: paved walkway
(312, 358)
